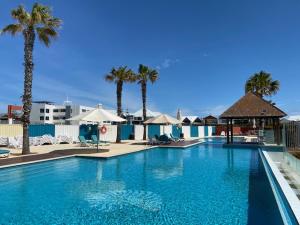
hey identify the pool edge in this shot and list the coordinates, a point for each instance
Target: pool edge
(290, 196)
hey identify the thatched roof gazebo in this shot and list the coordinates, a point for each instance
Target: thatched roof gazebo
(251, 106)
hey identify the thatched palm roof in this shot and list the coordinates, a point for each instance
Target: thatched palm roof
(252, 106)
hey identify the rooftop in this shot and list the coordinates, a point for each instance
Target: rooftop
(252, 106)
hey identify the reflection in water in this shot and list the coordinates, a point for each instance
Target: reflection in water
(139, 158)
(186, 153)
(230, 159)
(236, 169)
(99, 171)
(168, 164)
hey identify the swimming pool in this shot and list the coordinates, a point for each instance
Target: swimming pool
(202, 184)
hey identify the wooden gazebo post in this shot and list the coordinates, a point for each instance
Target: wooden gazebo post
(227, 131)
(231, 131)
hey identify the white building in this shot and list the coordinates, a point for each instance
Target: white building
(137, 117)
(45, 112)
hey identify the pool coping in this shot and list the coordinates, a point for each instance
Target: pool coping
(36, 161)
(113, 156)
(95, 157)
(185, 146)
(285, 187)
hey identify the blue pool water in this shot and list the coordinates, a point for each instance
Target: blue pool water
(200, 185)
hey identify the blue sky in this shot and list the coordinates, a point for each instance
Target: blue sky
(204, 50)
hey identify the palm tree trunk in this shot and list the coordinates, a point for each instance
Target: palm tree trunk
(144, 90)
(29, 37)
(119, 109)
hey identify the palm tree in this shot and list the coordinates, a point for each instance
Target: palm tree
(144, 74)
(262, 84)
(38, 22)
(119, 77)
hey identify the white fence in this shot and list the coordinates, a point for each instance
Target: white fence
(11, 130)
(110, 135)
(201, 133)
(71, 131)
(138, 132)
(186, 130)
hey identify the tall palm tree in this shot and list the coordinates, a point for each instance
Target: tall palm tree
(38, 22)
(144, 75)
(120, 76)
(262, 84)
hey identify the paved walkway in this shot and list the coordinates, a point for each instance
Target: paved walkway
(47, 152)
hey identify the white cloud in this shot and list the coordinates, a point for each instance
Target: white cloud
(214, 110)
(167, 63)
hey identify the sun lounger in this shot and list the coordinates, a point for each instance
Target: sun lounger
(62, 139)
(176, 139)
(154, 141)
(15, 142)
(163, 139)
(47, 140)
(101, 143)
(83, 141)
(4, 153)
(3, 141)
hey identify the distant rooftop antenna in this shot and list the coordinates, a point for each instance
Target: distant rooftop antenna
(67, 102)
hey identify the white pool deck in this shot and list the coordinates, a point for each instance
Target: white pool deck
(114, 149)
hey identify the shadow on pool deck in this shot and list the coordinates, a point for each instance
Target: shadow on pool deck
(172, 144)
(50, 155)
(180, 143)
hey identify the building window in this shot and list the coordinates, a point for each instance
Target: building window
(55, 117)
(63, 110)
(42, 110)
(55, 110)
(41, 118)
(47, 110)
(47, 117)
(83, 110)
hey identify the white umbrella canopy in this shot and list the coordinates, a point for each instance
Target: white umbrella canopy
(163, 119)
(97, 116)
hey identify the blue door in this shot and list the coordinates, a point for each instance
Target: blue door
(126, 131)
(153, 130)
(206, 131)
(194, 131)
(176, 131)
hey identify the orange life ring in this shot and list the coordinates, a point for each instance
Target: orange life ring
(103, 129)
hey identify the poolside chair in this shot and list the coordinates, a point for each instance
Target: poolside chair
(83, 141)
(154, 141)
(176, 138)
(163, 139)
(4, 153)
(100, 143)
